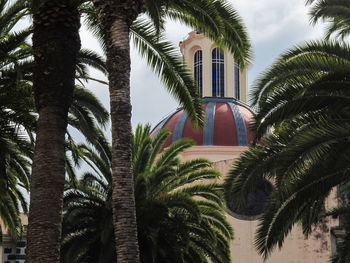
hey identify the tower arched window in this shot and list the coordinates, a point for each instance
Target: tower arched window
(198, 70)
(218, 73)
(236, 81)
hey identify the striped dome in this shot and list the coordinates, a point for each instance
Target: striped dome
(226, 124)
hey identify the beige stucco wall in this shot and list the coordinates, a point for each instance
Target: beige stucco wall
(24, 221)
(195, 42)
(296, 249)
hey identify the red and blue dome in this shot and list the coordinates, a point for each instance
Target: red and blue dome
(226, 124)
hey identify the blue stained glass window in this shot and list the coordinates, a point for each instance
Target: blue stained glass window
(236, 83)
(198, 70)
(218, 73)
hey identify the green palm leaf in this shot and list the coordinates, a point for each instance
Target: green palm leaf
(178, 216)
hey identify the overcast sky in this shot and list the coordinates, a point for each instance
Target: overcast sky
(273, 27)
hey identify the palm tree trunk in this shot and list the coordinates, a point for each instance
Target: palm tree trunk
(116, 18)
(56, 43)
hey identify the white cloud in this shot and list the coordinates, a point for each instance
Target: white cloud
(268, 18)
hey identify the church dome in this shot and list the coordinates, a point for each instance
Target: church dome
(226, 124)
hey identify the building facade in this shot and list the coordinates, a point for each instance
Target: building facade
(14, 250)
(225, 136)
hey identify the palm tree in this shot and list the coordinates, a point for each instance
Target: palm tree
(179, 218)
(335, 12)
(16, 65)
(16, 117)
(304, 96)
(87, 234)
(17, 111)
(215, 18)
(56, 43)
(15, 153)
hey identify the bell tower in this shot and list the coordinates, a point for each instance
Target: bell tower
(224, 137)
(214, 69)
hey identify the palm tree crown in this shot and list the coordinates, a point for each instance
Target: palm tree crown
(335, 12)
(304, 96)
(179, 219)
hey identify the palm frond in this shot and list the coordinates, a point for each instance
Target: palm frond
(167, 63)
